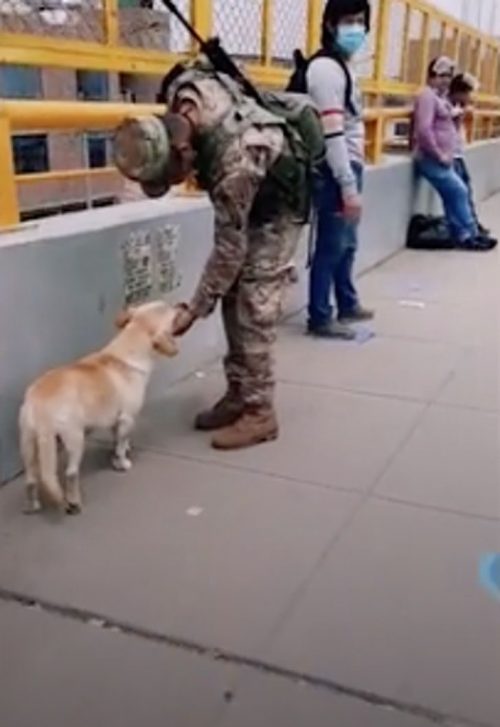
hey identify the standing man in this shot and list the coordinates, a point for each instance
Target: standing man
(332, 85)
(242, 156)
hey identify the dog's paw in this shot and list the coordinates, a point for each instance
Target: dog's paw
(121, 464)
(73, 508)
(32, 508)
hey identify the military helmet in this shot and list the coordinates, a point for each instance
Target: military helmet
(141, 151)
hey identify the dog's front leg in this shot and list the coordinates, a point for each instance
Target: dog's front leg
(33, 504)
(123, 429)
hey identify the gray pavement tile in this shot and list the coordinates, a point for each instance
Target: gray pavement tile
(396, 609)
(202, 552)
(476, 381)
(58, 672)
(434, 276)
(385, 366)
(452, 461)
(458, 322)
(275, 702)
(330, 438)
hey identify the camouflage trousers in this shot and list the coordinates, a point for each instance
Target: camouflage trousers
(252, 308)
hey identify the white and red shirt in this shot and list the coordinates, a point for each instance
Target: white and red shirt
(344, 130)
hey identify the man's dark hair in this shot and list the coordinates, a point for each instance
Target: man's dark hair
(171, 76)
(431, 73)
(461, 84)
(335, 10)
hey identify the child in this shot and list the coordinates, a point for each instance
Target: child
(462, 87)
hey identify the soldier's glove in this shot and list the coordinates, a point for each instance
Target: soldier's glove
(183, 320)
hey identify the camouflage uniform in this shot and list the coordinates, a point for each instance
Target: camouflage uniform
(255, 243)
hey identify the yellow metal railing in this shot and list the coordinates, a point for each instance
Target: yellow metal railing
(36, 116)
(46, 116)
(119, 36)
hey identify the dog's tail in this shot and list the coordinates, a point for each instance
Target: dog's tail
(39, 452)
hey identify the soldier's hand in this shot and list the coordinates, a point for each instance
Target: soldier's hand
(352, 208)
(183, 320)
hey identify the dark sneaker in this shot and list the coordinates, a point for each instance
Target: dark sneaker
(477, 244)
(333, 329)
(358, 315)
(487, 242)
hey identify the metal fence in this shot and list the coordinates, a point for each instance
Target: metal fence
(140, 36)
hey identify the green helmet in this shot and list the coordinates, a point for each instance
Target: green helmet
(141, 151)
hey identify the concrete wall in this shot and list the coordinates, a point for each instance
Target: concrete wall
(62, 280)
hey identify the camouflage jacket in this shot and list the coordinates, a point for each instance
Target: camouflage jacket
(233, 183)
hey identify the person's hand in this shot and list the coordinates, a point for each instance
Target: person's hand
(446, 160)
(458, 112)
(184, 319)
(352, 208)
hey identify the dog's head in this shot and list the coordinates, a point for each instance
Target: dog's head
(156, 320)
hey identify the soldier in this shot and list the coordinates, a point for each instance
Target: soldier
(242, 156)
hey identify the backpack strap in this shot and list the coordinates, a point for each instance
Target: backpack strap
(338, 58)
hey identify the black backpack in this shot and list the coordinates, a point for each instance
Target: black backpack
(426, 232)
(298, 79)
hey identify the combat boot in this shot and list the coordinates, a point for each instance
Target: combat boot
(254, 426)
(225, 413)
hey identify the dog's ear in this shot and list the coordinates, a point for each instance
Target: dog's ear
(166, 345)
(123, 318)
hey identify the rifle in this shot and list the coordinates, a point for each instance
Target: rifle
(212, 49)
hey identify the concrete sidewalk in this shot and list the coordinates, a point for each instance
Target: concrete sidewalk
(328, 579)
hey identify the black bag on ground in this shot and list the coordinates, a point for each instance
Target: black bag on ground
(429, 233)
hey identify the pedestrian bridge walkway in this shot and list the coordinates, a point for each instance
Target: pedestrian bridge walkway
(328, 578)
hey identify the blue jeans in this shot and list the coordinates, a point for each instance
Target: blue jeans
(334, 254)
(461, 169)
(454, 195)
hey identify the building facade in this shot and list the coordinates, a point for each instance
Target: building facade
(141, 25)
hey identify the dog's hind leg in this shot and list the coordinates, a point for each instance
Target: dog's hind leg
(74, 443)
(32, 475)
(47, 462)
(123, 429)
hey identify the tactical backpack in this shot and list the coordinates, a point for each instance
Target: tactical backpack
(305, 136)
(292, 174)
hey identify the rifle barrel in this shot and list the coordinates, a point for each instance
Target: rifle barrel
(215, 53)
(170, 5)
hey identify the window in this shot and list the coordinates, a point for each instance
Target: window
(31, 153)
(20, 82)
(97, 150)
(92, 85)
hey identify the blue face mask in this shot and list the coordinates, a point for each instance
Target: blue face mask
(350, 38)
